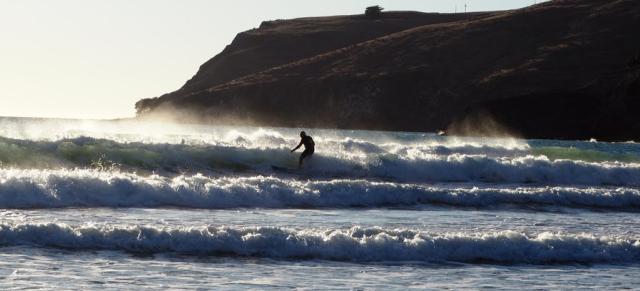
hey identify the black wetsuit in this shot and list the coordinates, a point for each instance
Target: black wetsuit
(309, 148)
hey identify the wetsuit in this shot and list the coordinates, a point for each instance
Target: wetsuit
(309, 148)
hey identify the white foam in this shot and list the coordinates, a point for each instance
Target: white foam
(365, 161)
(355, 244)
(92, 188)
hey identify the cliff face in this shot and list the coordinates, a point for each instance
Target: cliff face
(561, 69)
(280, 42)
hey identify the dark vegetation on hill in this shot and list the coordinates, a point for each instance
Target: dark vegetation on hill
(561, 69)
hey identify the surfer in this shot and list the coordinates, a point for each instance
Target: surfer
(309, 147)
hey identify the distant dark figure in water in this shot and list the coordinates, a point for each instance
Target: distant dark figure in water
(309, 147)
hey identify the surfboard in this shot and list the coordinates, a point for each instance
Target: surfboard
(284, 170)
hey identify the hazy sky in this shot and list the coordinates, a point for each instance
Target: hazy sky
(95, 59)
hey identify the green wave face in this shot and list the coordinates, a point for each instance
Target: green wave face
(107, 154)
(570, 153)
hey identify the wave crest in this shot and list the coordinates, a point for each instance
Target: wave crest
(355, 244)
(361, 162)
(90, 188)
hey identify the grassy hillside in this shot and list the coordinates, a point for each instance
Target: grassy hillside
(561, 69)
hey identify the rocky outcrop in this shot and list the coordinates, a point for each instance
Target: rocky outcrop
(561, 69)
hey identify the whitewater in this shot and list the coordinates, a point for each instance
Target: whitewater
(142, 205)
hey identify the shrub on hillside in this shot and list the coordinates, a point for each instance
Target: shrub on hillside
(373, 11)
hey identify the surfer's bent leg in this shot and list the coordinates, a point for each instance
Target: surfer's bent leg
(306, 153)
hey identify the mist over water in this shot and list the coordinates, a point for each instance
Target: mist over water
(122, 188)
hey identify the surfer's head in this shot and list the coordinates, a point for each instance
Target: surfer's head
(303, 134)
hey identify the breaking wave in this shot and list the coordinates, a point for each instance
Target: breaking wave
(92, 188)
(345, 159)
(355, 244)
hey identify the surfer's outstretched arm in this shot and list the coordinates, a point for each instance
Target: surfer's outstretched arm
(299, 145)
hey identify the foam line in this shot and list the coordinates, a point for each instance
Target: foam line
(91, 188)
(355, 244)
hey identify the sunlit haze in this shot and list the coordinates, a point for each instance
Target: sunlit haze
(95, 59)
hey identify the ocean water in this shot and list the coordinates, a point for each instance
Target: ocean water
(131, 205)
